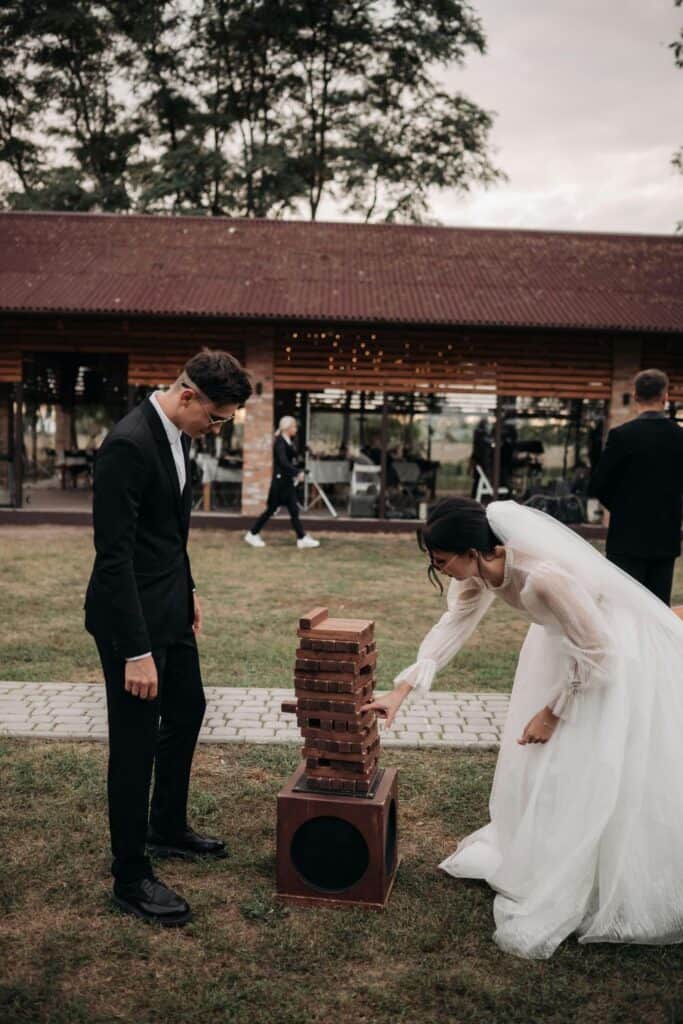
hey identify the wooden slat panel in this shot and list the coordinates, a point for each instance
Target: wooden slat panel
(157, 348)
(10, 366)
(552, 364)
(559, 365)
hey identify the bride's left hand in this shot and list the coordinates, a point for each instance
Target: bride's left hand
(540, 728)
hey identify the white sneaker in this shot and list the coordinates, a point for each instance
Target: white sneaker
(254, 540)
(307, 542)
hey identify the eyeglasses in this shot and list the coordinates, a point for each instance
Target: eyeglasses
(443, 566)
(213, 421)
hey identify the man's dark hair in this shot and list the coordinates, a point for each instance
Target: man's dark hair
(650, 385)
(219, 376)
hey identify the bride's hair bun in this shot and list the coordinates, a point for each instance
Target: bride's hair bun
(457, 525)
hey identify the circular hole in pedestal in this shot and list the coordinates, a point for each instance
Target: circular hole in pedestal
(391, 840)
(329, 853)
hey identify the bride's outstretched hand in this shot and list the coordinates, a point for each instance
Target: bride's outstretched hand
(540, 728)
(387, 706)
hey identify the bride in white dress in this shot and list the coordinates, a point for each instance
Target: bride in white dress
(586, 809)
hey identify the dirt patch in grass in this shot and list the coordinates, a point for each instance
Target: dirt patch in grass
(67, 957)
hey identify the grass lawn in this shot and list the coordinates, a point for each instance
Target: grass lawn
(252, 599)
(67, 958)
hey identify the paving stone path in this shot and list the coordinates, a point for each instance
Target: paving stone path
(250, 715)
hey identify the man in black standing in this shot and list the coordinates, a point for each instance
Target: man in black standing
(639, 478)
(142, 609)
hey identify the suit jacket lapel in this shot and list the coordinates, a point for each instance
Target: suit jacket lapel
(165, 453)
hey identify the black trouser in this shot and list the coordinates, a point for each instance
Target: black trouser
(654, 573)
(138, 741)
(281, 493)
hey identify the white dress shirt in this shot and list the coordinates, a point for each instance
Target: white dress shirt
(174, 435)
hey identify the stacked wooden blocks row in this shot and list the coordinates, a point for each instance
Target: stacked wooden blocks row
(334, 677)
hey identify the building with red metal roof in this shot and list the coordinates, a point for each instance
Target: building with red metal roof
(340, 308)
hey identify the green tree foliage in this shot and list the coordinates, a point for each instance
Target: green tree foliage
(246, 107)
(65, 134)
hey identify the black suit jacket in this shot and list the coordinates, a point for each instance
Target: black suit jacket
(285, 472)
(140, 592)
(285, 468)
(639, 478)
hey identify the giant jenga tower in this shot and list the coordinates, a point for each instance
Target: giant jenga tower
(334, 676)
(337, 816)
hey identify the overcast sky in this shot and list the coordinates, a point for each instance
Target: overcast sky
(589, 106)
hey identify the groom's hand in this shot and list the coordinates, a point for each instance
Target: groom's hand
(198, 616)
(141, 678)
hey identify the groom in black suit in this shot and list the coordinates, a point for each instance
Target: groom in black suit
(639, 478)
(143, 611)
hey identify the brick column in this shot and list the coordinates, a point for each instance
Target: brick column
(258, 425)
(626, 363)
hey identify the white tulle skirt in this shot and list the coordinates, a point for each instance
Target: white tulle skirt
(586, 831)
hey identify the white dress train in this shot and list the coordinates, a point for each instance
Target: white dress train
(586, 831)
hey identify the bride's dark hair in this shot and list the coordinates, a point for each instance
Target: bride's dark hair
(456, 525)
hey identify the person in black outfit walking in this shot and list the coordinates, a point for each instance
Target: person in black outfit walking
(286, 475)
(482, 453)
(142, 609)
(639, 478)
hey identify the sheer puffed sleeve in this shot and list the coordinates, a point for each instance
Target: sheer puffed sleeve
(556, 598)
(468, 601)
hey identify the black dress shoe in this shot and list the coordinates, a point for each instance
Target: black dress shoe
(153, 901)
(189, 845)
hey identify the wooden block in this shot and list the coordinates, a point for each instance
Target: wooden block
(313, 618)
(315, 748)
(332, 646)
(332, 739)
(323, 727)
(289, 707)
(341, 682)
(362, 756)
(311, 685)
(311, 702)
(337, 704)
(349, 630)
(325, 665)
(310, 690)
(344, 787)
(337, 648)
(364, 773)
(339, 723)
(341, 663)
(325, 677)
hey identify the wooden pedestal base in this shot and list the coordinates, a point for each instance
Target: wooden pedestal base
(337, 850)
